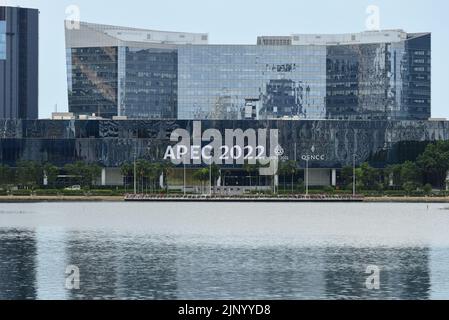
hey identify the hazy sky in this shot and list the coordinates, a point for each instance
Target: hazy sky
(240, 22)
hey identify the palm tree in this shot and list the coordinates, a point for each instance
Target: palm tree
(127, 170)
(214, 174)
(288, 168)
(153, 173)
(93, 172)
(166, 168)
(6, 175)
(29, 174)
(283, 171)
(142, 167)
(202, 175)
(250, 168)
(51, 172)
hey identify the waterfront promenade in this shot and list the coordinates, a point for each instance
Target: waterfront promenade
(299, 199)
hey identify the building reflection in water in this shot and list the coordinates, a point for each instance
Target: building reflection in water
(142, 266)
(17, 264)
(51, 263)
(439, 262)
(123, 266)
(404, 273)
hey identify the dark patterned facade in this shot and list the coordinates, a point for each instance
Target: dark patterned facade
(111, 143)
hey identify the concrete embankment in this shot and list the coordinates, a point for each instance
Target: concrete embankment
(15, 199)
(407, 199)
(18, 199)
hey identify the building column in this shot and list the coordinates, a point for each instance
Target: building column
(447, 181)
(161, 181)
(334, 177)
(391, 180)
(103, 177)
(219, 181)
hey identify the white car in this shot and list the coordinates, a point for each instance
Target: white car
(74, 188)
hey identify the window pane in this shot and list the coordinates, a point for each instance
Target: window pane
(2, 40)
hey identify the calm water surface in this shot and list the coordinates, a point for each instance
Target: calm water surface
(224, 251)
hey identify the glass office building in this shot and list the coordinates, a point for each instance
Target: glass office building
(215, 81)
(19, 67)
(114, 71)
(144, 74)
(380, 81)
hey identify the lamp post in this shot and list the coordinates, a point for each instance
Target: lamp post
(185, 179)
(135, 171)
(353, 178)
(210, 179)
(307, 177)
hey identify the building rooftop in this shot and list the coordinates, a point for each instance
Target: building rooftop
(94, 35)
(366, 37)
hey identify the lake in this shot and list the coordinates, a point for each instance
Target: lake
(224, 250)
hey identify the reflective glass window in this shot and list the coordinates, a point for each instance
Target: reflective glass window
(223, 81)
(93, 81)
(2, 40)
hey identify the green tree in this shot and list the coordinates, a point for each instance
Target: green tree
(142, 169)
(76, 170)
(347, 175)
(167, 169)
(410, 172)
(409, 187)
(288, 168)
(202, 175)
(6, 176)
(127, 171)
(51, 172)
(369, 177)
(29, 174)
(215, 172)
(434, 162)
(205, 175)
(93, 173)
(250, 169)
(301, 185)
(393, 172)
(153, 174)
(428, 189)
(84, 174)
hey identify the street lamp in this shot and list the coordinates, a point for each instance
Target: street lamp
(210, 179)
(307, 177)
(135, 170)
(354, 177)
(185, 179)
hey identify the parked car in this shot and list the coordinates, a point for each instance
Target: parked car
(74, 188)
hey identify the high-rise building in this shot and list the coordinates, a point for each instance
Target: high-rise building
(19, 65)
(374, 75)
(115, 71)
